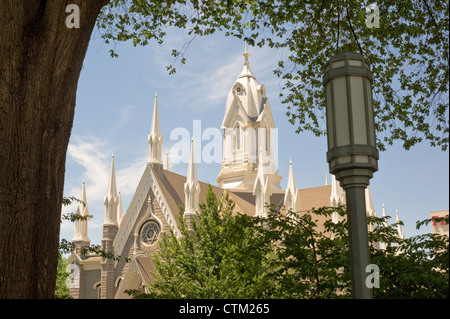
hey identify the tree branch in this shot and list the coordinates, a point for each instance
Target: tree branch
(353, 32)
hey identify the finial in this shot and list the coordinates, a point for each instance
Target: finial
(246, 54)
(167, 160)
(156, 94)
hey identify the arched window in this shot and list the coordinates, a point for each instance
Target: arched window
(98, 288)
(237, 137)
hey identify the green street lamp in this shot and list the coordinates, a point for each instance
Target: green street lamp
(352, 154)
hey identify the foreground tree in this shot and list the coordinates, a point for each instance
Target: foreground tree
(406, 43)
(41, 55)
(313, 259)
(40, 63)
(290, 255)
(61, 289)
(222, 257)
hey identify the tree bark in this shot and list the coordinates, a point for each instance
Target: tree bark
(40, 63)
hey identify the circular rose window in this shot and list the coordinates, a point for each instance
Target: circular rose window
(150, 232)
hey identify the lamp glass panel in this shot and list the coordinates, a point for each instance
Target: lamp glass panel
(358, 110)
(344, 159)
(361, 159)
(341, 111)
(355, 62)
(370, 115)
(330, 131)
(338, 64)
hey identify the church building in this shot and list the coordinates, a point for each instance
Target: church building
(248, 171)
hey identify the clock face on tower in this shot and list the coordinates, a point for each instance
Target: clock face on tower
(149, 232)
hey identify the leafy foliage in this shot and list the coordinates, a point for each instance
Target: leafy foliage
(67, 247)
(408, 52)
(215, 259)
(61, 289)
(290, 255)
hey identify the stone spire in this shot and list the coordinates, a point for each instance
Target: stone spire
(155, 138)
(191, 190)
(400, 233)
(248, 124)
(261, 189)
(119, 210)
(192, 186)
(370, 209)
(385, 224)
(336, 198)
(111, 199)
(110, 227)
(291, 197)
(81, 226)
(246, 70)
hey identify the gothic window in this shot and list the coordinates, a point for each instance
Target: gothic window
(149, 232)
(98, 289)
(237, 137)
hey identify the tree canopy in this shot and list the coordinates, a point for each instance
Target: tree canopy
(405, 42)
(291, 255)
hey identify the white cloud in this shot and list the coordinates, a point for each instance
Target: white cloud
(93, 158)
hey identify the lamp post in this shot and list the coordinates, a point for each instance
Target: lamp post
(352, 154)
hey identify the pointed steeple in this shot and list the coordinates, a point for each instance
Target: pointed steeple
(192, 186)
(112, 187)
(155, 138)
(336, 198)
(326, 179)
(385, 224)
(81, 226)
(370, 209)
(248, 109)
(246, 70)
(291, 197)
(111, 199)
(400, 233)
(167, 161)
(337, 193)
(119, 210)
(261, 188)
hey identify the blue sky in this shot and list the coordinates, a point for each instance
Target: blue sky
(114, 111)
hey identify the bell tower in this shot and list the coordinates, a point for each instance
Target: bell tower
(248, 127)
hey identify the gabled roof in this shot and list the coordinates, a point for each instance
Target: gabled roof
(172, 186)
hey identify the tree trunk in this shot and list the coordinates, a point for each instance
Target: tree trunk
(40, 63)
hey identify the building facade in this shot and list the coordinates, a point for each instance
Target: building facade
(248, 171)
